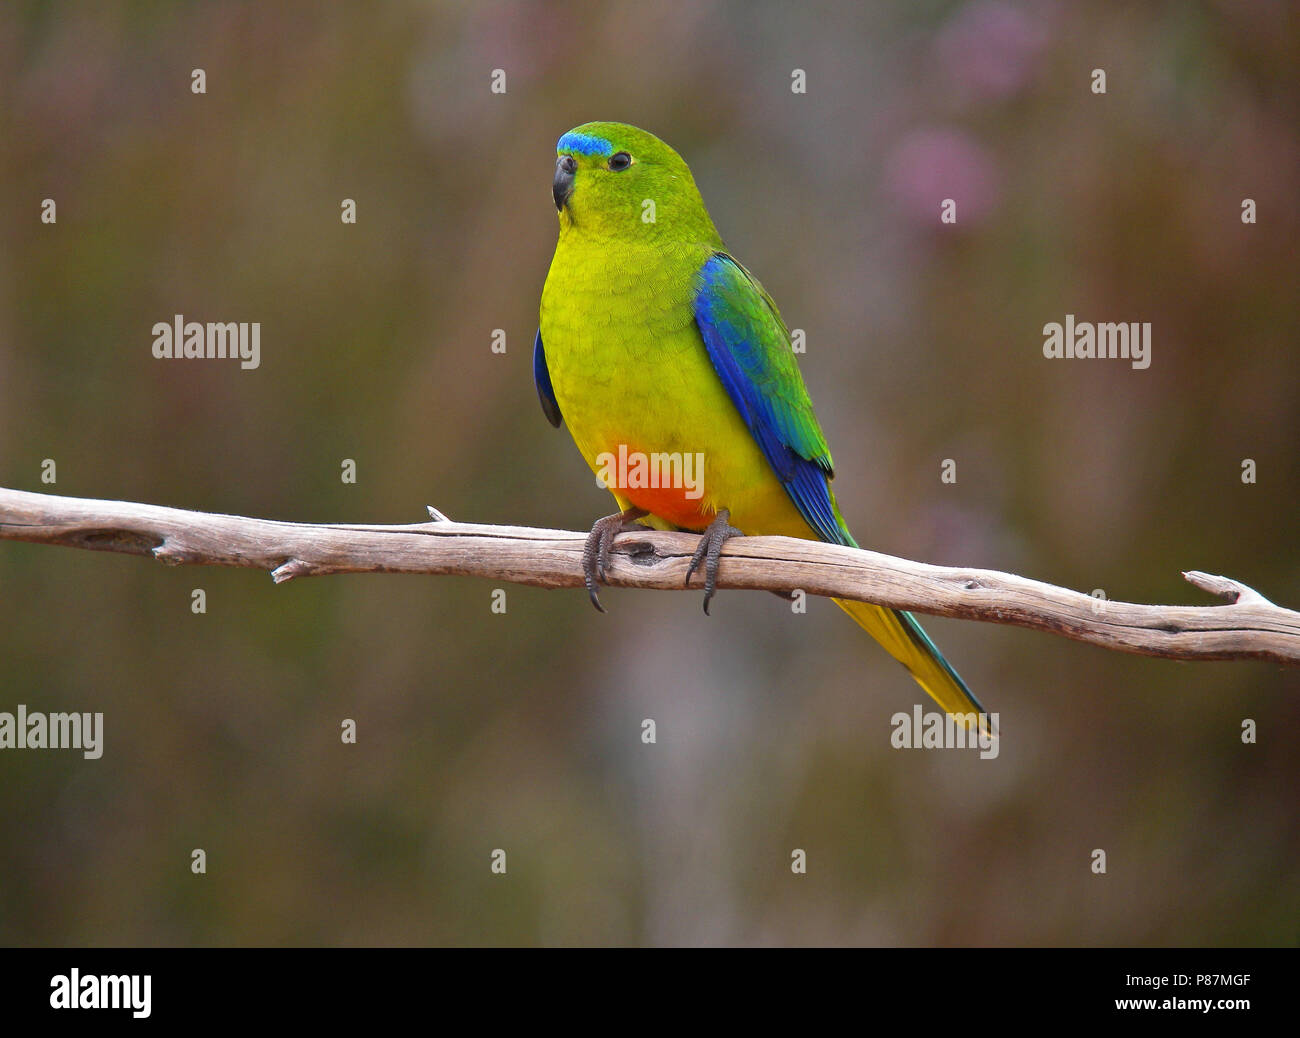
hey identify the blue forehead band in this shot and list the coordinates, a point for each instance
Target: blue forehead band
(584, 144)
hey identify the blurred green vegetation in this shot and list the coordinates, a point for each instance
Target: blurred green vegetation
(522, 731)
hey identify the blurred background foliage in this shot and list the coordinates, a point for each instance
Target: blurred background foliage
(521, 731)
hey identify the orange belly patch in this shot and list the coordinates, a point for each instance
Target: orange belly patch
(672, 506)
(669, 485)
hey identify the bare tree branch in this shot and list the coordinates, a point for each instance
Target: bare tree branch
(1249, 627)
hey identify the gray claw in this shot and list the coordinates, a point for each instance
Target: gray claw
(709, 549)
(598, 547)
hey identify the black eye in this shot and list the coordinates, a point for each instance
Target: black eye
(619, 161)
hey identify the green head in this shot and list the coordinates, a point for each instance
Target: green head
(616, 181)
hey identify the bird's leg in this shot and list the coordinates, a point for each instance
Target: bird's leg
(596, 552)
(711, 541)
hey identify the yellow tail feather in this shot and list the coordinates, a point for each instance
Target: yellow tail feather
(903, 639)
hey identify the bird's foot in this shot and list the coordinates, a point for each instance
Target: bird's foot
(597, 550)
(711, 541)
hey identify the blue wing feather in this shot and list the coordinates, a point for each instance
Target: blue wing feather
(749, 346)
(542, 377)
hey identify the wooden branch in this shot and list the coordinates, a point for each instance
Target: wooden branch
(1249, 627)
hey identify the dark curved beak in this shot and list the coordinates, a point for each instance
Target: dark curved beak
(562, 187)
